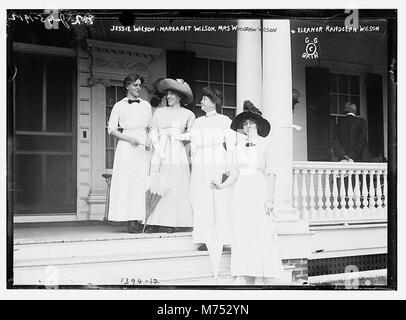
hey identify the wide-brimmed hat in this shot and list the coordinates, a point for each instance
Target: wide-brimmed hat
(177, 85)
(253, 113)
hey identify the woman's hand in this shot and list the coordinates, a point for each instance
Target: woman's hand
(215, 185)
(269, 207)
(133, 141)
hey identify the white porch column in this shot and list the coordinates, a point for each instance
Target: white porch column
(277, 109)
(249, 73)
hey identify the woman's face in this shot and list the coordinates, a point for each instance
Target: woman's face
(207, 105)
(173, 98)
(250, 127)
(135, 88)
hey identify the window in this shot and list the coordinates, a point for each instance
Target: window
(343, 88)
(217, 74)
(113, 94)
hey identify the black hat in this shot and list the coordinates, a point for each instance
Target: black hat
(254, 114)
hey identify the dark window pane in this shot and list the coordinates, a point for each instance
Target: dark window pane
(333, 82)
(217, 86)
(28, 93)
(59, 95)
(230, 72)
(342, 100)
(43, 143)
(342, 83)
(202, 69)
(109, 159)
(121, 93)
(28, 182)
(59, 179)
(333, 103)
(229, 113)
(50, 183)
(110, 141)
(110, 96)
(229, 95)
(216, 70)
(354, 84)
(198, 91)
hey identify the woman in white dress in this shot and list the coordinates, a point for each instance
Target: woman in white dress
(212, 145)
(170, 158)
(254, 246)
(131, 158)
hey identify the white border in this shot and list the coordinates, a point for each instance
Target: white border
(208, 294)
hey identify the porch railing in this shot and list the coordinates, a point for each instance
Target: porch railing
(341, 192)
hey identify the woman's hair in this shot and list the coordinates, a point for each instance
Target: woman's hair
(132, 78)
(216, 96)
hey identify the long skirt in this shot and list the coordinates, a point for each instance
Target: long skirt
(174, 208)
(210, 207)
(128, 182)
(254, 244)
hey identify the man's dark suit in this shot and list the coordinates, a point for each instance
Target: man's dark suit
(350, 138)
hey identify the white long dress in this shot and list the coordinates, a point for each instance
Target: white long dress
(254, 246)
(210, 161)
(174, 208)
(131, 164)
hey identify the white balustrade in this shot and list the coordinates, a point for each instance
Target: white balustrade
(340, 192)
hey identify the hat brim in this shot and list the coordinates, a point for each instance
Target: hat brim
(264, 127)
(182, 88)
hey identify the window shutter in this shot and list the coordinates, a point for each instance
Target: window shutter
(374, 102)
(181, 64)
(318, 118)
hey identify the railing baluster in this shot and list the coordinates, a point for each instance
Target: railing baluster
(335, 194)
(371, 204)
(295, 189)
(379, 193)
(357, 193)
(312, 203)
(350, 194)
(327, 193)
(319, 195)
(343, 195)
(364, 195)
(304, 194)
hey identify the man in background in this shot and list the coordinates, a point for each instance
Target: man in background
(349, 139)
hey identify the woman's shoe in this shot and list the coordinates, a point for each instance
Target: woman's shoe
(134, 226)
(202, 247)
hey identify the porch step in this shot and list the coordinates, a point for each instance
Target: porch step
(157, 259)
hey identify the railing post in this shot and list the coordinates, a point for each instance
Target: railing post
(350, 195)
(365, 207)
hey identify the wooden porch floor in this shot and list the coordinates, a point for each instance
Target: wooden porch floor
(60, 232)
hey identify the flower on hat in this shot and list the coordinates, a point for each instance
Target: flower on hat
(180, 81)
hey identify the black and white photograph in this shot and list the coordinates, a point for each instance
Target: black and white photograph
(202, 149)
